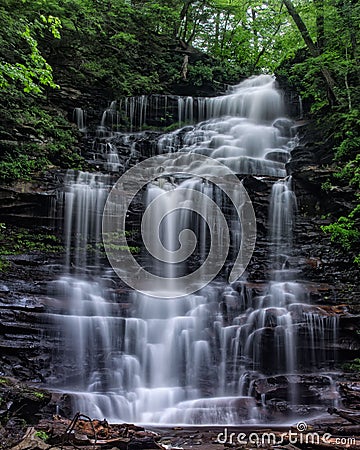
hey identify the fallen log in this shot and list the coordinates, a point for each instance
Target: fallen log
(120, 443)
(345, 430)
(353, 417)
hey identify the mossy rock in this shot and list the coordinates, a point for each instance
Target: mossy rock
(21, 400)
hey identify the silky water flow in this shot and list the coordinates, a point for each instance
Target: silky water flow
(193, 359)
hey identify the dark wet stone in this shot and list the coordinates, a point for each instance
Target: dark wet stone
(278, 156)
(284, 125)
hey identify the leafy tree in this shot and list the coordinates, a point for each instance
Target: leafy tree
(20, 58)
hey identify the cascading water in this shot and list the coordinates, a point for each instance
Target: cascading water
(79, 117)
(195, 359)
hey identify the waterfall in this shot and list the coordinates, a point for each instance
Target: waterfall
(108, 115)
(84, 197)
(301, 109)
(196, 359)
(112, 161)
(264, 103)
(281, 214)
(79, 117)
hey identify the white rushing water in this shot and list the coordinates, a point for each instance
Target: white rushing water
(194, 359)
(79, 117)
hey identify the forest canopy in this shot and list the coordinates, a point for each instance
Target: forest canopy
(138, 46)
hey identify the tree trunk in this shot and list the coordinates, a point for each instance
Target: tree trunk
(255, 33)
(352, 417)
(184, 67)
(182, 16)
(314, 51)
(346, 10)
(185, 9)
(217, 34)
(301, 27)
(320, 24)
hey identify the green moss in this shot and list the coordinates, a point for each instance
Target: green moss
(327, 186)
(16, 241)
(114, 247)
(353, 366)
(42, 435)
(48, 140)
(4, 265)
(346, 232)
(21, 167)
(39, 394)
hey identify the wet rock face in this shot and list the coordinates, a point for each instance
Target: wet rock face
(24, 322)
(350, 392)
(23, 405)
(24, 345)
(309, 389)
(294, 396)
(321, 261)
(28, 336)
(22, 400)
(20, 406)
(24, 202)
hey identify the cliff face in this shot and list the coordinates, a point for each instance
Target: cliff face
(311, 170)
(28, 335)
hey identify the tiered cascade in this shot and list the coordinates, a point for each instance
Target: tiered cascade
(203, 358)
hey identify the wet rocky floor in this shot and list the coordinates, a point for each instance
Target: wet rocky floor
(64, 434)
(27, 422)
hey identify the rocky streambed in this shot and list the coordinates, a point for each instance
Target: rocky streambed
(28, 414)
(27, 423)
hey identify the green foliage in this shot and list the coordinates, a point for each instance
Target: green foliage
(137, 47)
(351, 172)
(348, 134)
(4, 266)
(42, 435)
(119, 45)
(130, 45)
(335, 51)
(111, 245)
(346, 231)
(354, 366)
(307, 74)
(25, 65)
(117, 248)
(39, 394)
(327, 77)
(22, 167)
(327, 186)
(16, 241)
(348, 146)
(52, 143)
(174, 126)
(200, 74)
